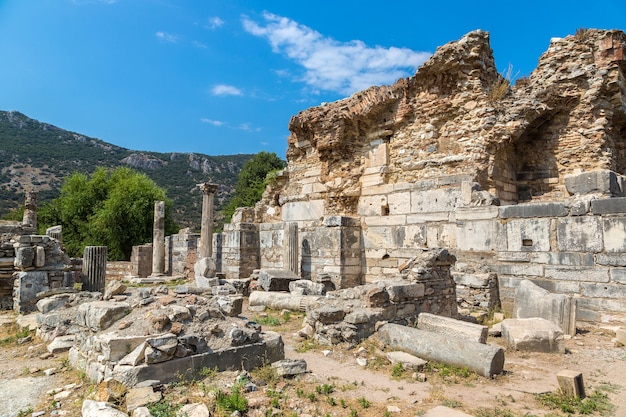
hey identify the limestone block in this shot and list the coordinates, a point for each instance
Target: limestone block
(40, 256)
(534, 210)
(54, 302)
(135, 357)
(99, 315)
(437, 200)
(138, 397)
(399, 203)
(327, 314)
(276, 279)
(473, 280)
(61, 344)
(24, 257)
(205, 267)
(477, 213)
(289, 367)
(114, 287)
(452, 327)
(115, 347)
(620, 334)
(564, 258)
(609, 206)
(92, 408)
(579, 234)
(528, 235)
(614, 234)
(577, 273)
(302, 210)
(372, 205)
(279, 300)
(160, 348)
(533, 335)
(571, 383)
(483, 359)
(407, 360)
(601, 181)
(480, 235)
(405, 291)
(534, 301)
(376, 297)
(231, 306)
(27, 286)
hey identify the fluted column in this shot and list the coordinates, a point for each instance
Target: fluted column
(158, 239)
(291, 248)
(94, 268)
(205, 248)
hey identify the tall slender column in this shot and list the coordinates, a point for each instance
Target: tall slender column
(94, 268)
(205, 249)
(158, 239)
(30, 209)
(291, 248)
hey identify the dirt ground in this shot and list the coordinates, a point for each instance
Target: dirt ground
(336, 385)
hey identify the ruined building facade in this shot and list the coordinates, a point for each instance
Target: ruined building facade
(519, 182)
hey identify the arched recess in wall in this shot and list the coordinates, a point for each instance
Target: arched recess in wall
(526, 168)
(617, 142)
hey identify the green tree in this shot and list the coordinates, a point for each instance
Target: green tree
(110, 208)
(252, 181)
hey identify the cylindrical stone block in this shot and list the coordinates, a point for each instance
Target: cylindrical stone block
(94, 268)
(485, 360)
(158, 239)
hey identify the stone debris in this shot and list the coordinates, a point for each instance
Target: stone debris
(571, 383)
(194, 410)
(289, 367)
(452, 327)
(534, 335)
(533, 301)
(139, 397)
(407, 360)
(92, 408)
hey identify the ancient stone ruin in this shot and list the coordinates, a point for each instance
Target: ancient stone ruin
(520, 182)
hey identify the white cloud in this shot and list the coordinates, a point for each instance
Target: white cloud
(166, 37)
(226, 90)
(215, 123)
(343, 67)
(214, 23)
(199, 44)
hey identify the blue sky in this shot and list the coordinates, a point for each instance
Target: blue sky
(224, 77)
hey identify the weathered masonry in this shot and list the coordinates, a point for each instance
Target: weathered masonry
(522, 181)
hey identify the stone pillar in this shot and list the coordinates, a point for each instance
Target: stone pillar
(158, 239)
(205, 249)
(290, 257)
(30, 209)
(94, 268)
(55, 232)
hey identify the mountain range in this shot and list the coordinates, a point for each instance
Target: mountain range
(38, 156)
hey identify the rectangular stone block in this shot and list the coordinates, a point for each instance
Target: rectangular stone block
(534, 210)
(403, 292)
(528, 235)
(618, 275)
(438, 200)
(398, 220)
(514, 269)
(571, 383)
(473, 280)
(614, 234)
(579, 234)
(577, 273)
(452, 327)
(601, 181)
(513, 256)
(477, 213)
(611, 259)
(563, 258)
(480, 235)
(609, 206)
(399, 203)
(603, 290)
(441, 216)
(534, 301)
(303, 210)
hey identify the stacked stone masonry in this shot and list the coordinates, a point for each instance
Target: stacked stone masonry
(527, 184)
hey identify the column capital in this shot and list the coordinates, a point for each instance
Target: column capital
(208, 188)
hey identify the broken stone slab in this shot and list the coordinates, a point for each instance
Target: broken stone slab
(327, 314)
(533, 335)
(100, 315)
(443, 411)
(407, 360)
(269, 349)
(52, 303)
(160, 348)
(229, 305)
(485, 360)
(92, 408)
(280, 301)
(276, 279)
(533, 301)
(452, 327)
(115, 347)
(135, 357)
(204, 268)
(601, 181)
(290, 367)
(114, 287)
(138, 397)
(571, 383)
(306, 287)
(61, 344)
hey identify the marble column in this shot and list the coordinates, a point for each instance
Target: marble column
(205, 248)
(94, 268)
(158, 239)
(291, 248)
(30, 209)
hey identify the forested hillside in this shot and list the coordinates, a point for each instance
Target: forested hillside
(38, 156)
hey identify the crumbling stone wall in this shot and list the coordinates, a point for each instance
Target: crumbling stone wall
(30, 267)
(427, 161)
